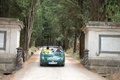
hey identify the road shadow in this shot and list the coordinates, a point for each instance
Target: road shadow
(54, 66)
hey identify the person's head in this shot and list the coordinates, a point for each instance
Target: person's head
(58, 48)
(47, 47)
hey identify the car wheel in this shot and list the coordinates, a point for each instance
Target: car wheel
(63, 65)
(41, 63)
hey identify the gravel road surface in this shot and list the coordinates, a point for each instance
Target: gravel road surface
(72, 70)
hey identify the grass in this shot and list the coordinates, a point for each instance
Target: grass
(74, 55)
(32, 50)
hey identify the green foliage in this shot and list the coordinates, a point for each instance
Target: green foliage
(112, 9)
(60, 17)
(116, 17)
(24, 5)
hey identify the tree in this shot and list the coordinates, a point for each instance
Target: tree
(111, 9)
(25, 11)
(28, 22)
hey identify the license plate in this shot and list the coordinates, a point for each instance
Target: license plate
(52, 62)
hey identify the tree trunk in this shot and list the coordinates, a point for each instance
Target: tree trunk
(63, 33)
(81, 45)
(94, 10)
(103, 15)
(80, 3)
(29, 21)
(75, 40)
(66, 40)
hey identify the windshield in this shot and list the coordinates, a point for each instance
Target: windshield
(50, 54)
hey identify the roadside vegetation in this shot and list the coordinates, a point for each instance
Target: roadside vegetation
(74, 55)
(32, 50)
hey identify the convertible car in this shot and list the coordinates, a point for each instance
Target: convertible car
(53, 57)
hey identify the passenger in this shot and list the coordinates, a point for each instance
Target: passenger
(59, 50)
(47, 50)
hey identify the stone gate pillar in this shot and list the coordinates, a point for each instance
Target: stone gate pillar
(9, 40)
(102, 39)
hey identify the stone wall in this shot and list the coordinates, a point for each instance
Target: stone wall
(102, 39)
(7, 63)
(104, 67)
(10, 39)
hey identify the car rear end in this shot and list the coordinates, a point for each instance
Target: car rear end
(52, 58)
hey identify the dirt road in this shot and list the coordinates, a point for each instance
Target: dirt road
(72, 70)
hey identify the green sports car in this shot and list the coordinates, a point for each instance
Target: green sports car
(53, 57)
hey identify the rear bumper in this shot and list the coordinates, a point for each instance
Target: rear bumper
(46, 62)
